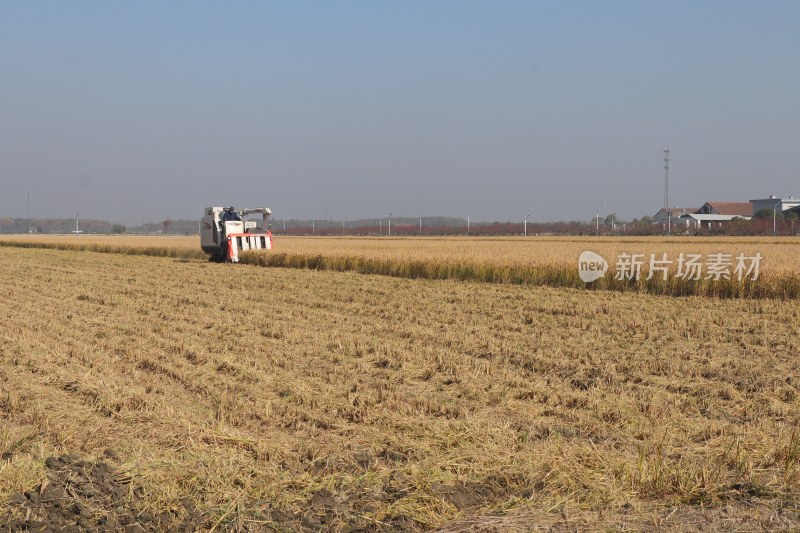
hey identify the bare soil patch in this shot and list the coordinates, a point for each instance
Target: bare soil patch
(85, 496)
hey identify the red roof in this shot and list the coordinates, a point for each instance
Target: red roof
(742, 209)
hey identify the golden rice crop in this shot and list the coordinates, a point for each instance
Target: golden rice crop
(779, 253)
(536, 261)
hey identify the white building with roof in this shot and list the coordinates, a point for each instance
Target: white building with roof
(702, 220)
(773, 202)
(674, 212)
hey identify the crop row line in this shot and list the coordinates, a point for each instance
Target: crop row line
(785, 285)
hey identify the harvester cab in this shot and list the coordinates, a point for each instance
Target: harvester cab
(225, 231)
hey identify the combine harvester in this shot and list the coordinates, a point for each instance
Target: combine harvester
(224, 232)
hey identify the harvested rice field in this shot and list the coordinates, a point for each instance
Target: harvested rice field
(168, 393)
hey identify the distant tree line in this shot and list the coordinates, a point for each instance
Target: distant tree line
(761, 224)
(787, 223)
(67, 225)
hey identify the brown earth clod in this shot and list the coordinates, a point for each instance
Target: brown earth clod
(83, 496)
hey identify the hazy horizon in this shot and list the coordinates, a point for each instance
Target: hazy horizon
(139, 112)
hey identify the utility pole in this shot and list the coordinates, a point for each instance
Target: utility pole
(527, 214)
(667, 150)
(669, 221)
(597, 222)
(774, 210)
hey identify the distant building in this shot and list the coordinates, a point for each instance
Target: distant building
(773, 202)
(717, 213)
(735, 209)
(699, 220)
(714, 214)
(677, 212)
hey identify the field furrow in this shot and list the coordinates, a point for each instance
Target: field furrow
(329, 399)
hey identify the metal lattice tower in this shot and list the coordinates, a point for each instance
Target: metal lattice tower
(667, 150)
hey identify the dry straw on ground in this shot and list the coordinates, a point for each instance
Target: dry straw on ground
(279, 398)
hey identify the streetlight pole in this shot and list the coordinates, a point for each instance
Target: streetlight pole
(669, 221)
(597, 222)
(470, 214)
(525, 224)
(774, 225)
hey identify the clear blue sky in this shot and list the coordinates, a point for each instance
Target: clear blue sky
(132, 111)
